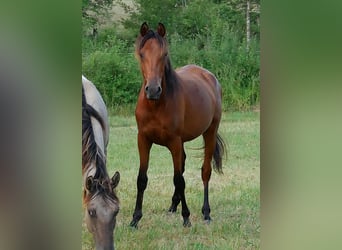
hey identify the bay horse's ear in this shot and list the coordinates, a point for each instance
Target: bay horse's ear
(89, 183)
(161, 29)
(115, 179)
(143, 29)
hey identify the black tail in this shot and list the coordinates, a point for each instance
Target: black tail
(220, 151)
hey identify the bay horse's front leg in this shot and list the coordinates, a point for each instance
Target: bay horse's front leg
(177, 151)
(176, 197)
(144, 147)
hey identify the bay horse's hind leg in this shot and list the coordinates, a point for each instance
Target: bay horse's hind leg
(176, 197)
(209, 148)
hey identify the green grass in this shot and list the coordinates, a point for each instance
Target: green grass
(234, 196)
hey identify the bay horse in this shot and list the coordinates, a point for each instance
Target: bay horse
(99, 197)
(173, 107)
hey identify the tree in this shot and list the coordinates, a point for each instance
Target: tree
(153, 12)
(92, 10)
(248, 24)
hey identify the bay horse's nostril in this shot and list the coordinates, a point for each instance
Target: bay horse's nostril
(153, 91)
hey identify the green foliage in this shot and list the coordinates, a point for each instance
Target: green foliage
(207, 33)
(112, 67)
(236, 68)
(152, 12)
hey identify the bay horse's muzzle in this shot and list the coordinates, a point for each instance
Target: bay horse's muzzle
(153, 91)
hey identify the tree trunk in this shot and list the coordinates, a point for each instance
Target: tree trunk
(248, 24)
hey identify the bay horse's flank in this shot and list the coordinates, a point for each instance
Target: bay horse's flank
(175, 107)
(99, 197)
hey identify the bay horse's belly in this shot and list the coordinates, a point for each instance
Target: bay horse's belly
(162, 129)
(202, 97)
(197, 120)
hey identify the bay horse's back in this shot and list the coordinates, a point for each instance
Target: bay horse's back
(195, 72)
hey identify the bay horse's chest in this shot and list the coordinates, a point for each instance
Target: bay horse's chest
(159, 126)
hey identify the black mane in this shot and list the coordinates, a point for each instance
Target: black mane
(91, 152)
(170, 78)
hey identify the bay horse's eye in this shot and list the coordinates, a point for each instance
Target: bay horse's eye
(166, 54)
(92, 213)
(141, 55)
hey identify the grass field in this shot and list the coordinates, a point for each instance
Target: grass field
(234, 196)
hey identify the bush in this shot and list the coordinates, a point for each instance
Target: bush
(236, 68)
(113, 69)
(202, 33)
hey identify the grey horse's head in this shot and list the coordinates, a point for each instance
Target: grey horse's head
(101, 209)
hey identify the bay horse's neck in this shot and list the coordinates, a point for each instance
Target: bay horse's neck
(170, 80)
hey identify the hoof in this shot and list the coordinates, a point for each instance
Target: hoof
(207, 218)
(172, 209)
(170, 213)
(136, 218)
(134, 224)
(207, 221)
(187, 223)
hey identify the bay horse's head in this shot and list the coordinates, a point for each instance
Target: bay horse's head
(101, 209)
(152, 53)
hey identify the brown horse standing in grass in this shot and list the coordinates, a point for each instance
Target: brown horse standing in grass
(175, 107)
